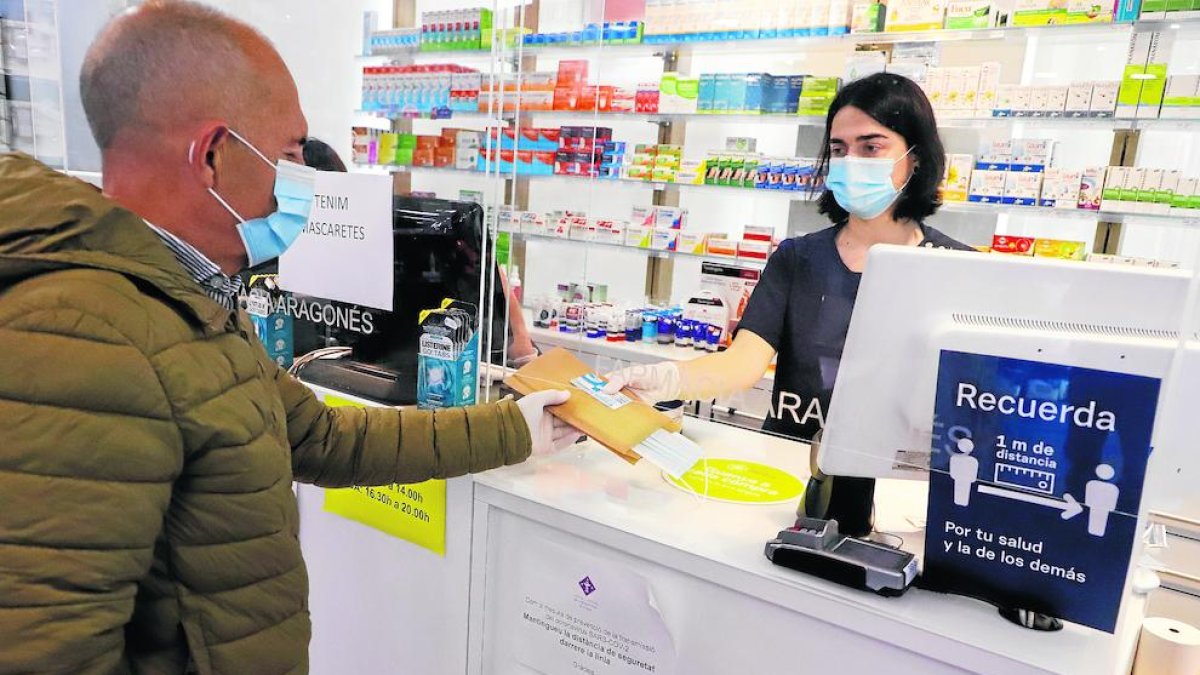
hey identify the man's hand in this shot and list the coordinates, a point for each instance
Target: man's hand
(653, 383)
(549, 434)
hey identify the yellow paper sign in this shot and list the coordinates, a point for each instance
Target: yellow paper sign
(414, 513)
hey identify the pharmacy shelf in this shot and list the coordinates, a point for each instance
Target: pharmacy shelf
(658, 44)
(802, 43)
(632, 352)
(507, 119)
(805, 196)
(729, 260)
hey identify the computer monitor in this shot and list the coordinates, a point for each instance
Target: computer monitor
(439, 253)
(914, 303)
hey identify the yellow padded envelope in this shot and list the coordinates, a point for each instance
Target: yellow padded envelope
(618, 430)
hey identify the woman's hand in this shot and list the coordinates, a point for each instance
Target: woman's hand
(653, 382)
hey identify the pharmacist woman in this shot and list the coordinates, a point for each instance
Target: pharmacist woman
(882, 160)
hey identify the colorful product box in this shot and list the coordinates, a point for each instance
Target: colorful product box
(638, 236)
(915, 15)
(1038, 13)
(1104, 99)
(1134, 178)
(1060, 188)
(1181, 99)
(971, 14)
(987, 185)
(754, 250)
(1002, 243)
(670, 217)
(1112, 196)
(642, 216)
(817, 95)
(663, 240)
(867, 17)
(989, 88)
(1023, 189)
(1184, 202)
(1147, 192)
(722, 246)
(1079, 100)
(1166, 192)
(957, 181)
(1061, 249)
(695, 243)
(758, 233)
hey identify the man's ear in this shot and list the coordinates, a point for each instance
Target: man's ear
(206, 150)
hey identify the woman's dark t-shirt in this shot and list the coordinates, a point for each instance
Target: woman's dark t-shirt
(802, 308)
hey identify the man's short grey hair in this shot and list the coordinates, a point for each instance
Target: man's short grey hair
(168, 62)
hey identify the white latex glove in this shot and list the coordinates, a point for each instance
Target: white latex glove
(653, 382)
(549, 434)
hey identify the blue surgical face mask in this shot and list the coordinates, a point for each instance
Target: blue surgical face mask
(863, 186)
(268, 237)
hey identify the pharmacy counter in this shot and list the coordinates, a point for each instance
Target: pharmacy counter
(725, 606)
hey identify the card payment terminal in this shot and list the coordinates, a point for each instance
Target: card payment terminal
(815, 546)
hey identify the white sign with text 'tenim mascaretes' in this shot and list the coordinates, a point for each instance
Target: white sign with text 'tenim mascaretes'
(345, 252)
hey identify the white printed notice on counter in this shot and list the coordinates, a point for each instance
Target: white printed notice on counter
(345, 252)
(1036, 484)
(581, 614)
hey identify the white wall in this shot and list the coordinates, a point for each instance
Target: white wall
(319, 40)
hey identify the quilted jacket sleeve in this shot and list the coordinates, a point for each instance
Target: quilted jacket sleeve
(88, 454)
(341, 447)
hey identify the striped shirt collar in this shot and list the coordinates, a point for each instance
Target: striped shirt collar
(223, 290)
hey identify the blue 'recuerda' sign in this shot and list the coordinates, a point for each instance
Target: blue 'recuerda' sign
(1037, 475)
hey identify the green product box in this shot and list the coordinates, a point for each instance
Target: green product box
(404, 156)
(817, 95)
(1152, 88)
(1151, 6)
(407, 141)
(750, 165)
(1131, 86)
(1039, 17)
(712, 169)
(688, 87)
(726, 169)
(503, 248)
(1179, 5)
(485, 30)
(969, 15)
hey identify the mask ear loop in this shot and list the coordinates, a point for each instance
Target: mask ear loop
(220, 200)
(253, 149)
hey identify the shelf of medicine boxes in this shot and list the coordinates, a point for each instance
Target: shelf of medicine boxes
(737, 260)
(507, 118)
(803, 195)
(800, 43)
(633, 352)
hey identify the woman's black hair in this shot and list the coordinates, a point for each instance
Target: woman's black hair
(899, 104)
(320, 156)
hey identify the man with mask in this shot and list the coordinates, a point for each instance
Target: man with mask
(148, 445)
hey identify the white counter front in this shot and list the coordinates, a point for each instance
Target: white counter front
(727, 607)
